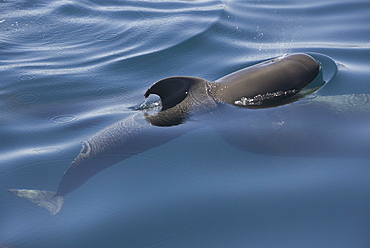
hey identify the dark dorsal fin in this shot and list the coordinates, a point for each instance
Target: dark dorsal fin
(172, 90)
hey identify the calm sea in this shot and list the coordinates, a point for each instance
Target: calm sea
(70, 68)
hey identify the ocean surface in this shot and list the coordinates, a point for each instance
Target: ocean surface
(292, 176)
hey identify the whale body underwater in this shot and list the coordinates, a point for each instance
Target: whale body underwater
(275, 96)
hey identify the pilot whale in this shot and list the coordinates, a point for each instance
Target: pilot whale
(275, 84)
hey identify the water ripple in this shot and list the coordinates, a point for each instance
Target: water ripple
(71, 30)
(27, 77)
(107, 37)
(63, 119)
(27, 98)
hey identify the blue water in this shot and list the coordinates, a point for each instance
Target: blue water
(70, 68)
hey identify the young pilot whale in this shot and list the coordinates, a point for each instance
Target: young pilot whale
(275, 82)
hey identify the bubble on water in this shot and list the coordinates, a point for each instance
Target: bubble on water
(26, 77)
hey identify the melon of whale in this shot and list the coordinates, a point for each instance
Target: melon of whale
(269, 93)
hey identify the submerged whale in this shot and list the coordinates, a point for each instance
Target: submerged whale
(270, 90)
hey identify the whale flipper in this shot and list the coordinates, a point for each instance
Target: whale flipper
(45, 199)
